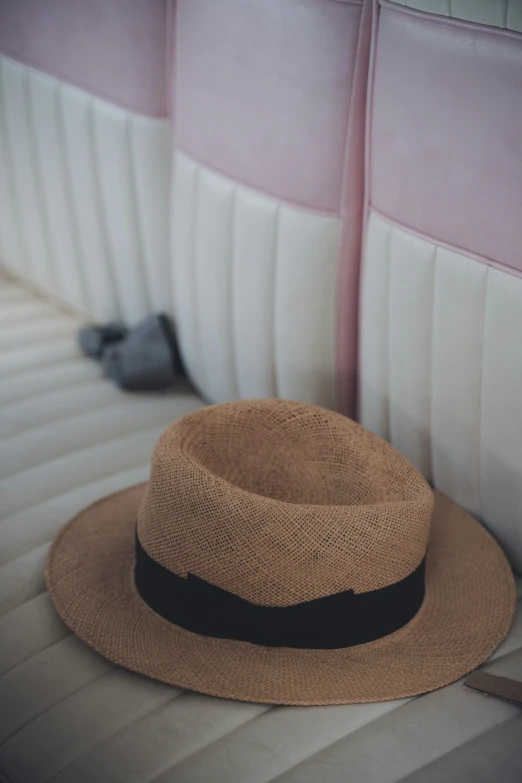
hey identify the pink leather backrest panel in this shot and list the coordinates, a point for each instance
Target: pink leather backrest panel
(446, 124)
(263, 91)
(113, 48)
(352, 218)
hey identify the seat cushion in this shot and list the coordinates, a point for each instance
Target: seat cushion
(68, 437)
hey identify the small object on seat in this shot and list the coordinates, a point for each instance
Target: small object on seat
(147, 359)
(94, 339)
(493, 685)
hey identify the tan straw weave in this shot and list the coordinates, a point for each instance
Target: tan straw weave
(280, 502)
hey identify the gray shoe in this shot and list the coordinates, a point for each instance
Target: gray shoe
(94, 339)
(147, 359)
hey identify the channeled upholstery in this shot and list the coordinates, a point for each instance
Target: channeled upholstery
(441, 299)
(267, 195)
(67, 437)
(266, 219)
(85, 153)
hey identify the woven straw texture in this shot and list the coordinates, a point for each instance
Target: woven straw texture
(279, 503)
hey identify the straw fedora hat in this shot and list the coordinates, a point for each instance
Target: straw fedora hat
(282, 553)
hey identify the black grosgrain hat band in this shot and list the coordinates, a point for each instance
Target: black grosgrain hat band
(340, 620)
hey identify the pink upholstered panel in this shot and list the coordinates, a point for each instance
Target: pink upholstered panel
(446, 135)
(114, 48)
(352, 209)
(263, 90)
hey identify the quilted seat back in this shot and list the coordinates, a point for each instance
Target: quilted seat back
(441, 297)
(238, 129)
(269, 104)
(85, 153)
(258, 109)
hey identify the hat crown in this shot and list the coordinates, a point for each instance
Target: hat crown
(281, 502)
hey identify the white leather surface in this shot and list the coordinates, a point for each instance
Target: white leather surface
(441, 371)
(84, 196)
(254, 287)
(67, 715)
(497, 13)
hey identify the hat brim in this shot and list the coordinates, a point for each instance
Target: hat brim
(466, 613)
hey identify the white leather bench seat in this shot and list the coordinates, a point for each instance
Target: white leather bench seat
(67, 437)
